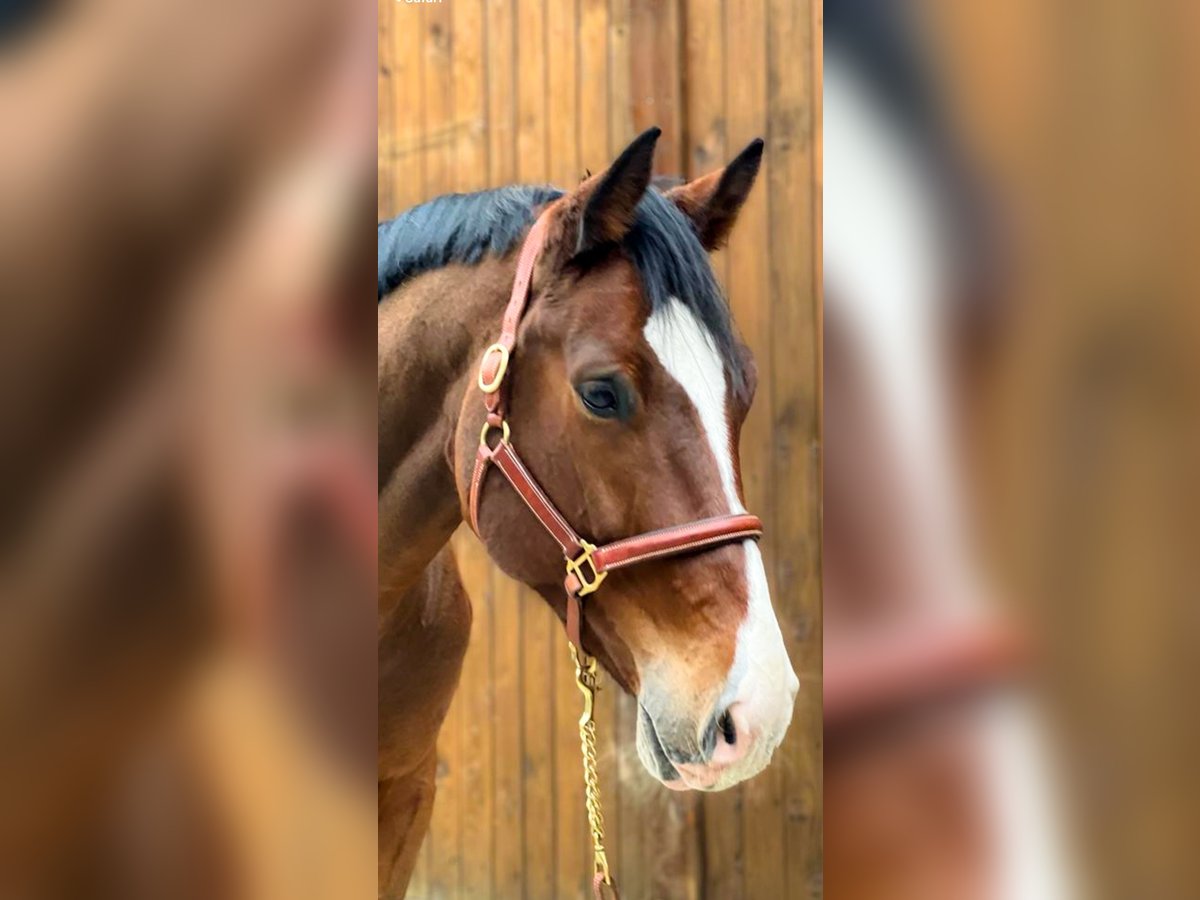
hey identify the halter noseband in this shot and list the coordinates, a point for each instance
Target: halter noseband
(587, 564)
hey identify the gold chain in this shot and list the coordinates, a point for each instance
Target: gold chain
(588, 682)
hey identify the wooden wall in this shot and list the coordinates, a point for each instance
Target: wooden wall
(474, 93)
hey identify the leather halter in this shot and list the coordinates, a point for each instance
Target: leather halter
(587, 565)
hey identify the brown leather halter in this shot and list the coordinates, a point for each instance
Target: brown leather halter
(587, 565)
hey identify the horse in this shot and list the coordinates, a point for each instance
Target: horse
(936, 784)
(628, 390)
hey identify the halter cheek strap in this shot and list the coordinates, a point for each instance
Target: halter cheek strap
(587, 565)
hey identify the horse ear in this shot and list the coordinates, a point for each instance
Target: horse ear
(610, 199)
(713, 201)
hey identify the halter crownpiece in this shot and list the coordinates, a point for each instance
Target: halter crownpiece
(587, 565)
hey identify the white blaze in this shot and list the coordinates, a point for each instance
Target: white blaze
(761, 677)
(687, 352)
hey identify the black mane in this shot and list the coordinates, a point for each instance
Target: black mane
(466, 228)
(455, 228)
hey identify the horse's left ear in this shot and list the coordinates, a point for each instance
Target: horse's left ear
(713, 201)
(608, 200)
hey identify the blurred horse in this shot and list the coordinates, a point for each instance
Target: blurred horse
(927, 795)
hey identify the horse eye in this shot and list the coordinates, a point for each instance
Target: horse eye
(600, 397)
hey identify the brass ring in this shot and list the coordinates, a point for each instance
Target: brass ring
(490, 387)
(503, 426)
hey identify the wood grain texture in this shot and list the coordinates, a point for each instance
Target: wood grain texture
(475, 93)
(405, 145)
(657, 78)
(793, 183)
(385, 200)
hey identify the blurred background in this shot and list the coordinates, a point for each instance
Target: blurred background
(187, 556)
(1011, 386)
(474, 94)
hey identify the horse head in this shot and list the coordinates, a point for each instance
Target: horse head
(627, 393)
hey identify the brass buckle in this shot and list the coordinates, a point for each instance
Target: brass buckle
(587, 585)
(492, 386)
(488, 426)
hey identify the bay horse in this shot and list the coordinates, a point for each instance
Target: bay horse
(627, 401)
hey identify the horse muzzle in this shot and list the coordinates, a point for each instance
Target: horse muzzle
(731, 746)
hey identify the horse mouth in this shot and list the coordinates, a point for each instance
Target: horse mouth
(666, 771)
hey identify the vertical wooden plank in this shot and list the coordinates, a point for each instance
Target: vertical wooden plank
(621, 126)
(470, 94)
(657, 78)
(705, 148)
(704, 73)
(438, 99)
(562, 93)
(633, 782)
(724, 847)
(539, 625)
(540, 639)
(407, 115)
(468, 51)
(476, 801)
(501, 92)
(795, 412)
(816, 72)
(385, 109)
(508, 815)
(672, 860)
(532, 77)
(593, 84)
(445, 839)
(750, 296)
(808, 831)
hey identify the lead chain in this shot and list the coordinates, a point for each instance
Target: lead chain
(587, 681)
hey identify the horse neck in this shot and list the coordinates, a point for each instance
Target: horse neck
(432, 332)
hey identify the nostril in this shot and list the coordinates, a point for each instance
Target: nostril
(728, 729)
(732, 737)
